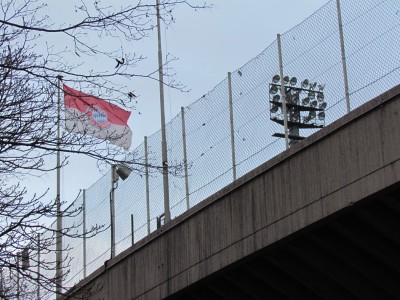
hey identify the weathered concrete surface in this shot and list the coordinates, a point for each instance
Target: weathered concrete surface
(341, 164)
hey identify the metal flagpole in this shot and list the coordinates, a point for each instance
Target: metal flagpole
(344, 66)
(283, 92)
(167, 213)
(58, 279)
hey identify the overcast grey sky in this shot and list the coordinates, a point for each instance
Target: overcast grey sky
(208, 43)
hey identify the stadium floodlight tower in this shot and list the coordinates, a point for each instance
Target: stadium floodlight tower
(305, 106)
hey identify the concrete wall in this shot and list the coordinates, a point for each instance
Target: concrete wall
(343, 163)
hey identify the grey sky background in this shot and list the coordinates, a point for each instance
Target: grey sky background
(208, 44)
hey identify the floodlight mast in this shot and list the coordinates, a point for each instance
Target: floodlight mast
(305, 106)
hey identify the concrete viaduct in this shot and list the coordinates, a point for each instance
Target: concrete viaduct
(319, 221)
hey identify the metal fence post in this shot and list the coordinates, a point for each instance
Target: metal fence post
(132, 230)
(285, 121)
(232, 127)
(84, 232)
(146, 162)
(185, 163)
(344, 65)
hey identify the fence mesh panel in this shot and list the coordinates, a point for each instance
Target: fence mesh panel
(311, 50)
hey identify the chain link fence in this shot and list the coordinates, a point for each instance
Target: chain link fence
(310, 50)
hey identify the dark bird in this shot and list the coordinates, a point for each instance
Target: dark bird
(240, 73)
(131, 95)
(120, 62)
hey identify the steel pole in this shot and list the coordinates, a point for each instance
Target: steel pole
(232, 126)
(185, 164)
(132, 230)
(18, 276)
(58, 279)
(146, 161)
(84, 232)
(283, 93)
(38, 267)
(344, 65)
(167, 212)
(112, 210)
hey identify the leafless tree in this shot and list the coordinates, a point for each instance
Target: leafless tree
(35, 51)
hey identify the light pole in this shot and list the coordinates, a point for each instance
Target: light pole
(117, 171)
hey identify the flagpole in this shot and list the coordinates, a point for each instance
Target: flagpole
(167, 213)
(58, 279)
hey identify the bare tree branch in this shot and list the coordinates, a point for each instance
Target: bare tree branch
(30, 64)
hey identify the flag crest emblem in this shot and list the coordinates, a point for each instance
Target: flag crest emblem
(98, 117)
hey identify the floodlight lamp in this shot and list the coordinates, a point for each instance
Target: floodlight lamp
(314, 103)
(321, 87)
(274, 109)
(304, 83)
(123, 171)
(296, 91)
(293, 81)
(320, 97)
(313, 85)
(321, 115)
(305, 101)
(312, 114)
(294, 116)
(311, 95)
(288, 97)
(323, 105)
(286, 80)
(306, 119)
(273, 90)
(276, 79)
(276, 98)
(295, 99)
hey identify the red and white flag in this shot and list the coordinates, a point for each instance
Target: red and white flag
(87, 114)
